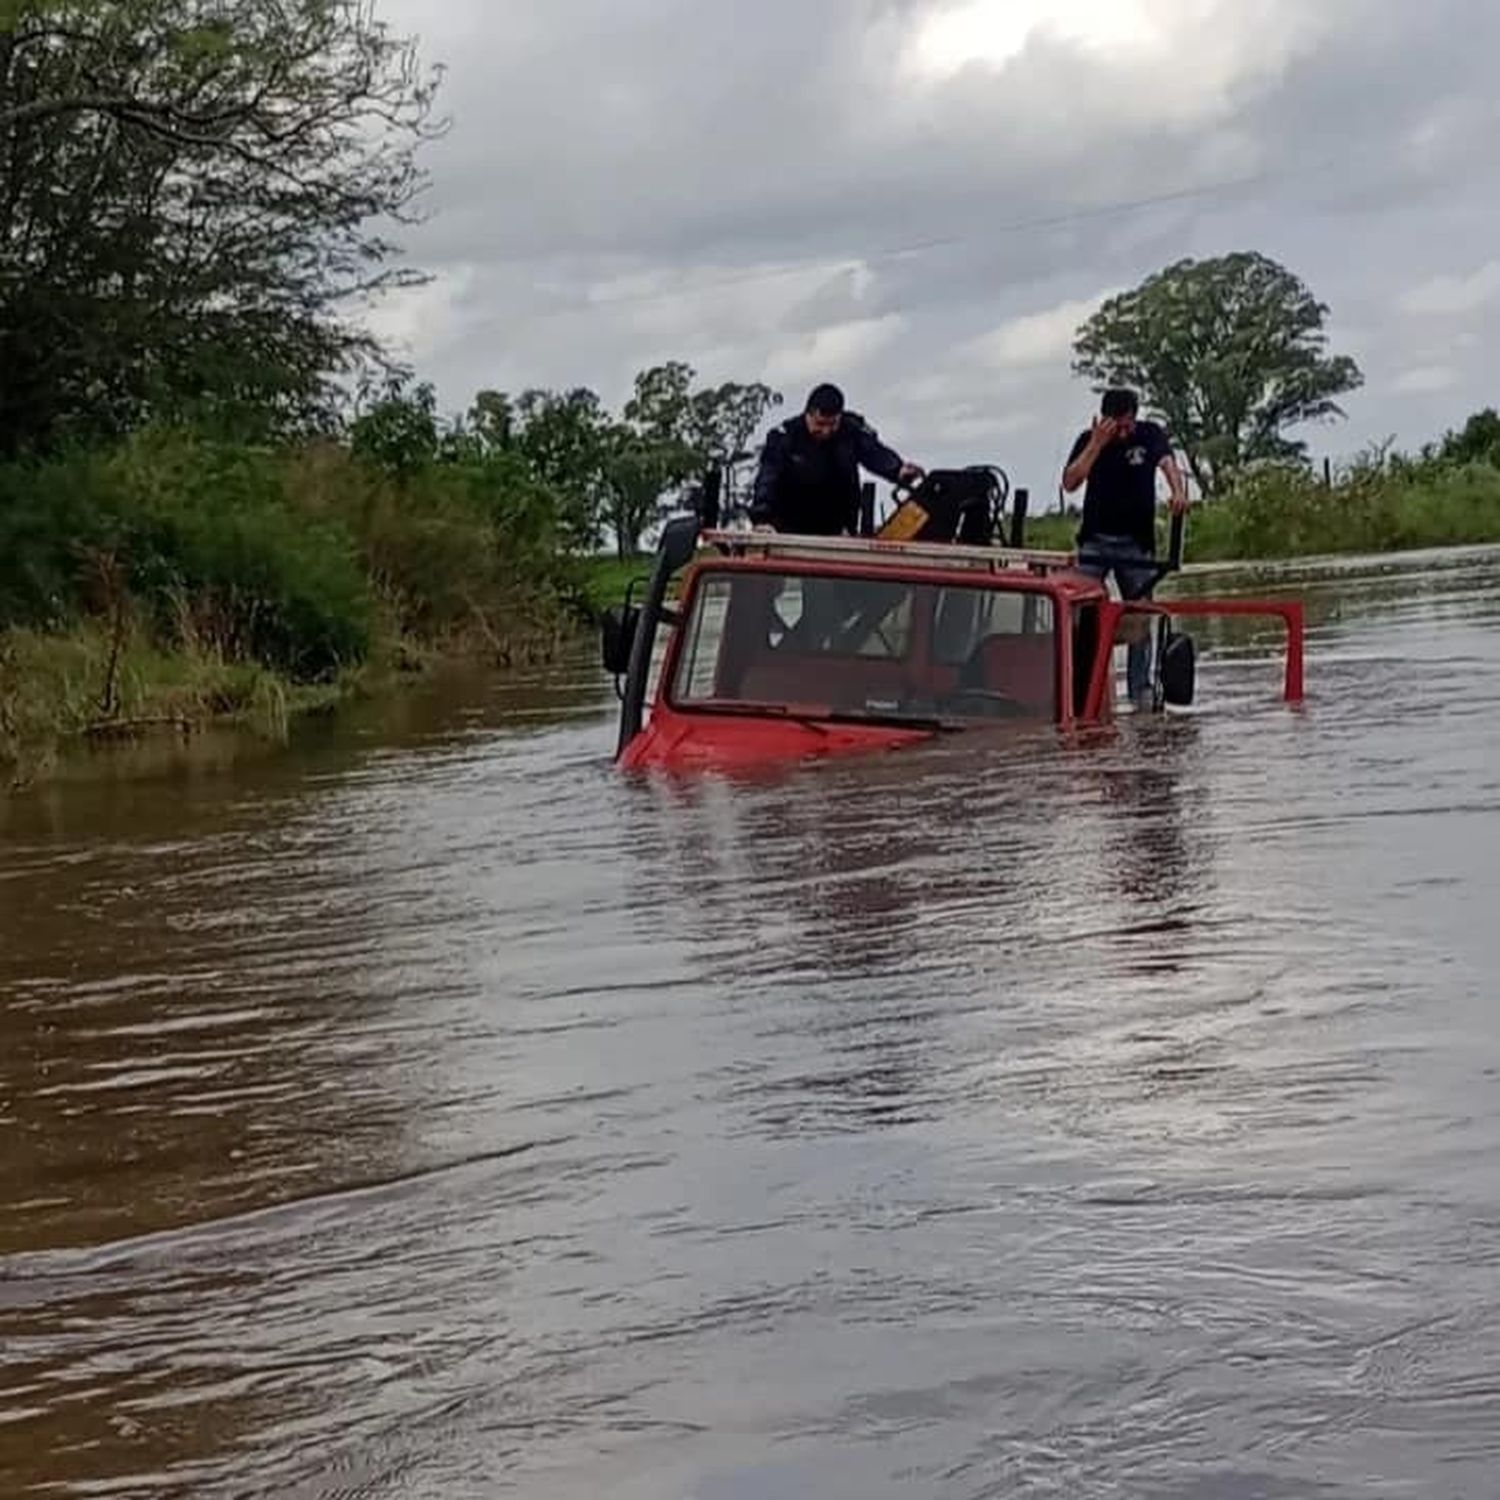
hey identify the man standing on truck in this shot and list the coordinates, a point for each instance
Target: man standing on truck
(808, 479)
(1119, 457)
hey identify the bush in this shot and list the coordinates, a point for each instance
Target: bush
(1377, 504)
(230, 563)
(449, 541)
(293, 560)
(201, 536)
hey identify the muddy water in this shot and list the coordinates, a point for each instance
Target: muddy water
(430, 1113)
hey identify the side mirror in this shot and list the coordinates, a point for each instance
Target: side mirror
(1179, 669)
(679, 540)
(710, 498)
(617, 635)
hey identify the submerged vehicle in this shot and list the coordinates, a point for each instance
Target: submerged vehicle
(784, 646)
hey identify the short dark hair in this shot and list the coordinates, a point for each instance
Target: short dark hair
(827, 399)
(1120, 403)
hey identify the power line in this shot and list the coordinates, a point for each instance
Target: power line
(917, 248)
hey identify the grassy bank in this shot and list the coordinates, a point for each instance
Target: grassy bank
(605, 579)
(87, 684)
(1376, 507)
(177, 579)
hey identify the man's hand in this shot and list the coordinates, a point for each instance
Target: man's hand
(910, 472)
(1100, 433)
(1177, 496)
(1105, 429)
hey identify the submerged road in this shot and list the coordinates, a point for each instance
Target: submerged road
(431, 1113)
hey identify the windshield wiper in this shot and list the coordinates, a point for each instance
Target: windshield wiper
(892, 718)
(820, 719)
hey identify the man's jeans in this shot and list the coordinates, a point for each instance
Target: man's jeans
(1135, 573)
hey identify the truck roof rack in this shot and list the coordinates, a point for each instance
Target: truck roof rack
(774, 544)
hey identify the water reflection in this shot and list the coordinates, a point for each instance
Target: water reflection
(871, 925)
(1154, 852)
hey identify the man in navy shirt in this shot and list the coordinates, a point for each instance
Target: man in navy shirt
(1119, 458)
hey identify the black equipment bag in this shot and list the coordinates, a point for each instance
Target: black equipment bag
(948, 505)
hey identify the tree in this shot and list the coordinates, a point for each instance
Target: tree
(612, 474)
(565, 437)
(492, 420)
(400, 430)
(1230, 351)
(713, 423)
(678, 433)
(726, 417)
(1477, 442)
(660, 407)
(639, 469)
(187, 195)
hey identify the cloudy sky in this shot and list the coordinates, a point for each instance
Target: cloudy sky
(920, 199)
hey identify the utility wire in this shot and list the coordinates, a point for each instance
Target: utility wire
(918, 248)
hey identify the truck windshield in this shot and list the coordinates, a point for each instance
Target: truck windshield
(874, 648)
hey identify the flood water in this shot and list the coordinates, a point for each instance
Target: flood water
(431, 1112)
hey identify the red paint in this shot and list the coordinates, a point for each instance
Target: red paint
(1288, 611)
(723, 741)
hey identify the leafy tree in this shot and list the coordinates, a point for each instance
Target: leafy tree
(400, 432)
(188, 190)
(611, 474)
(1229, 350)
(672, 433)
(564, 436)
(639, 469)
(660, 408)
(1477, 442)
(492, 420)
(727, 416)
(713, 423)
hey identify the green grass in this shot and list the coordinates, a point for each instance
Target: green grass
(65, 689)
(1052, 532)
(1374, 509)
(1377, 506)
(604, 579)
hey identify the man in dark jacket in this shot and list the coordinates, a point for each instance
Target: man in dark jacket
(808, 479)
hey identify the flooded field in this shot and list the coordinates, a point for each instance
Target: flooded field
(431, 1112)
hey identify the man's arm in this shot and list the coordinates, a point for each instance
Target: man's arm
(881, 461)
(1176, 490)
(1086, 450)
(767, 478)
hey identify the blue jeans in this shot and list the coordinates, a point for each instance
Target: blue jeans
(1135, 573)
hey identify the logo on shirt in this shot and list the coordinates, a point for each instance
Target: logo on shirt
(1135, 456)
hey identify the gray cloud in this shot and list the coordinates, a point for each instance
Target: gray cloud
(773, 193)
